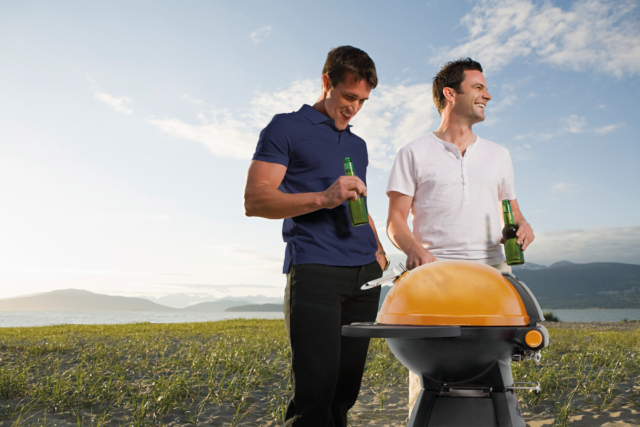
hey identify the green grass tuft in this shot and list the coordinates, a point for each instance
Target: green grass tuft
(154, 374)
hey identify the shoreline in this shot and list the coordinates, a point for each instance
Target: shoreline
(597, 326)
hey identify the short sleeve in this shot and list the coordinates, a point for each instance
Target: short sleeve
(275, 142)
(507, 184)
(402, 177)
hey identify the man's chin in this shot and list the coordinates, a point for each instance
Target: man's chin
(341, 125)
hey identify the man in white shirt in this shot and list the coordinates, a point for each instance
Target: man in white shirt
(452, 182)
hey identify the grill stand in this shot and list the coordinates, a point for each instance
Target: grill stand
(483, 400)
(501, 409)
(458, 390)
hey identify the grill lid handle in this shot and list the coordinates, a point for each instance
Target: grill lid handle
(530, 302)
(398, 271)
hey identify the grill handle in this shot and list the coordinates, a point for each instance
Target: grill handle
(399, 270)
(377, 330)
(534, 387)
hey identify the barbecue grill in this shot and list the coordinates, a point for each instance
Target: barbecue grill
(458, 325)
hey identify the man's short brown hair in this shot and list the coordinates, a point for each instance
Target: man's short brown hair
(451, 75)
(348, 59)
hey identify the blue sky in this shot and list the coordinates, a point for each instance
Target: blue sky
(126, 128)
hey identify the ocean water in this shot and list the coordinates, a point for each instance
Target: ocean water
(597, 315)
(45, 318)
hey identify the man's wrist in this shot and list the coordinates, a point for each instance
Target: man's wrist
(386, 257)
(416, 248)
(321, 200)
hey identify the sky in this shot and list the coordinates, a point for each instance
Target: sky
(126, 128)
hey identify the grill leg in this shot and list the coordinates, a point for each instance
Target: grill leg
(422, 409)
(508, 411)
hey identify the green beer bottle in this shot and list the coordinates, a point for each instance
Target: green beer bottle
(512, 250)
(357, 208)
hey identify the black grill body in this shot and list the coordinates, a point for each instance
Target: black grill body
(465, 371)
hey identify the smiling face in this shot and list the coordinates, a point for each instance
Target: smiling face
(472, 99)
(342, 102)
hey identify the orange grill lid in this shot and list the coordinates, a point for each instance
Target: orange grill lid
(461, 293)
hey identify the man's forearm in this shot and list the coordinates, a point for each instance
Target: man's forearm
(381, 256)
(400, 234)
(267, 202)
(375, 233)
(517, 213)
(517, 216)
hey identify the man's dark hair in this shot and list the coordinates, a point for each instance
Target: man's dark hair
(348, 59)
(451, 75)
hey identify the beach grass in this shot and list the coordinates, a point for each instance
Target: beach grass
(235, 372)
(583, 369)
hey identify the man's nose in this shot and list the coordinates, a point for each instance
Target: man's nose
(487, 95)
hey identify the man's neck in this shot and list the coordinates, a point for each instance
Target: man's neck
(456, 133)
(319, 105)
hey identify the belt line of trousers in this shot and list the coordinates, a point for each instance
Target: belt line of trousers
(326, 368)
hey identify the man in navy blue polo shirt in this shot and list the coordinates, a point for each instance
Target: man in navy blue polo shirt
(297, 174)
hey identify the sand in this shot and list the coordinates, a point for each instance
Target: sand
(624, 411)
(366, 412)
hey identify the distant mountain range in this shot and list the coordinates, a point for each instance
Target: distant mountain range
(562, 285)
(256, 308)
(80, 300)
(565, 285)
(592, 285)
(183, 300)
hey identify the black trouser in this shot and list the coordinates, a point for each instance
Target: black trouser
(327, 368)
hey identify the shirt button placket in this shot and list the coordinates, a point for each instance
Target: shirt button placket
(465, 182)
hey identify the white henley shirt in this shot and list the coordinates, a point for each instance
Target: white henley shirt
(456, 206)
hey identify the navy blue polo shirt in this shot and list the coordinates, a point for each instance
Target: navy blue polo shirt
(313, 151)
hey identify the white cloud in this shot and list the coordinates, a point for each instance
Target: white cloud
(190, 99)
(521, 152)
(222, 135)
(559, 186)
(577, 124)
(593, 34)
(121, 105)
(564, 187)
(591, 245)
(574, 124)
(248, 254)
(571, 124)
(259, 35)
(607, 129)
(394, 116)
(235, 134)
(507, 97)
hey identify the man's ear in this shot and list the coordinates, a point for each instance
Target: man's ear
(449, 93)
(326, 83)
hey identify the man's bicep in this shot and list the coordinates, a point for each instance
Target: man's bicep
(399, 205)
(265, 173)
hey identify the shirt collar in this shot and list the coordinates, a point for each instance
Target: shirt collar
(316, 117)
(453, 148)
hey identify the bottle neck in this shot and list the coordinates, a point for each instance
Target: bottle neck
(507, 213)
(348, 169)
